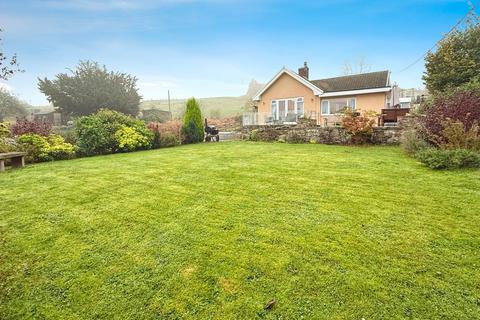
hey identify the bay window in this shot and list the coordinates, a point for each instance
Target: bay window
(287, 109)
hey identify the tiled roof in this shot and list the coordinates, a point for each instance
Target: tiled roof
(361, 81)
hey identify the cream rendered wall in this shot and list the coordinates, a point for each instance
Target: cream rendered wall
(288, 87)
(364, 102)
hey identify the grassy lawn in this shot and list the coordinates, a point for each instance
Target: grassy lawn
(217, 230)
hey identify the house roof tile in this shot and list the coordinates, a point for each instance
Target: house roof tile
(361, 81)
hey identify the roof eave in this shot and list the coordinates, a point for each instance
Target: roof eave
(354, 92)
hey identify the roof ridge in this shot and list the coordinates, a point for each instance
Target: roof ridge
(351, 75)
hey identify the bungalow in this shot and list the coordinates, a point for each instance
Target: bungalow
(291, 95)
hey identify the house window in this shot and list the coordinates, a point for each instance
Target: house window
(287, 108)
(300, 108)
(325, 107)
(274, 109)
(336, 106)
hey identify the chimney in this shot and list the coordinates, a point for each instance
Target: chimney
(303, 72)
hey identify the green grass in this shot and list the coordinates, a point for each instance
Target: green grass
(217, 230)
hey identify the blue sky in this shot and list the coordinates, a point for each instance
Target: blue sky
(214, 47)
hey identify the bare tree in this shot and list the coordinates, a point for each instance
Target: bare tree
(8, 66)
(359, 66)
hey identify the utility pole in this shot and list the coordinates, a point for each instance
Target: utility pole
(169, 108)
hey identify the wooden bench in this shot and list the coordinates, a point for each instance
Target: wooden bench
(17, 159)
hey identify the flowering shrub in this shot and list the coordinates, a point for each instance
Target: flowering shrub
(359, 125)
(130, 139)
(24, 126)
(49, 148)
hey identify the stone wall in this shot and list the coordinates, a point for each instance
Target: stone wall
(316, 134)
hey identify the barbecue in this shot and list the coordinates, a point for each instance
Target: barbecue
(211, 133)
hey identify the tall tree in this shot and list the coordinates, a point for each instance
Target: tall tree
(8, 65)
(92, 87)
(456, 60)
(11, 106)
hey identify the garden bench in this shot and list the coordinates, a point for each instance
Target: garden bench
(17, 159)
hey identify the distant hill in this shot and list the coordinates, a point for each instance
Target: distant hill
(217, 107)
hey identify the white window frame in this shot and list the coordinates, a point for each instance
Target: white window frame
(328, 101)
(295, 100)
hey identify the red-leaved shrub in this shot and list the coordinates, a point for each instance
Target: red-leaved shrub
(462, 106)
(166, 134)
(23, 126)
(359, 125)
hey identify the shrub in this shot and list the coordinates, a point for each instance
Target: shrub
(154, 127)
(462, 106)
(24, 126)
(456, 136)
(8, 145)
(58, 149)
(359, 125)
(96, 134)
(449, 159)
(4, 129)
(190, 133)
(130, 139)
(253, 136)
(413, 142)
(68, 133)
(192, 129)
(166, 134)
(168, 139)
(93, 136)
(41, 148)
(33, 145)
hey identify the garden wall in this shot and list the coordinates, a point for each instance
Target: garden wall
(317, 134)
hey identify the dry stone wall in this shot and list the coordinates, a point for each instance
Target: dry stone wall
(317, 134)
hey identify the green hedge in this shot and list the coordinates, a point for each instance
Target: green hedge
(449, 159)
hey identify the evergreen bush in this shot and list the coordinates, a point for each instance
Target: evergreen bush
(193, 128)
